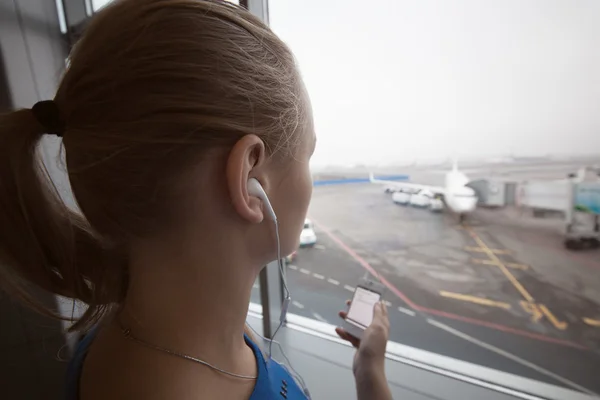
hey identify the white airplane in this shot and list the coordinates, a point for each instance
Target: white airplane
(458, 197)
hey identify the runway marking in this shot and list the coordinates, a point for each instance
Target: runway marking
(490, 253)
(432, 311)
(291, 266)
(299, 305)
(508, 355)
(474, 299)
(387, 303)
(407, 311)
(592, 322)
(332, 281)
(502, 328)
(557, 324)
(318, 276)
(349, 288)
(482, 249)
(305, 271)
(522, 267)
(533, 309)
(255, 286)
(319, 317)
(538, 311)
(319, 247)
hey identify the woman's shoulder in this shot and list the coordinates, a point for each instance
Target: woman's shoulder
(274, 380)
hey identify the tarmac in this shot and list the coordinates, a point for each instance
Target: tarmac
(499, 291)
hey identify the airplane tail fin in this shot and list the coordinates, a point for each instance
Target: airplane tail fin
(455, 164)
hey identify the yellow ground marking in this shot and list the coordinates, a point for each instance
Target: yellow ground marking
(557, 324)
(522, 267)
(501, 265)
(480, 250)
(473, 299)
(533, 309)
(538, 311)
(592, 322)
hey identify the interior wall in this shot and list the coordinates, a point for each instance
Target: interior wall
(32, 59)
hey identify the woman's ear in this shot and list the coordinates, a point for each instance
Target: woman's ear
(246, 158)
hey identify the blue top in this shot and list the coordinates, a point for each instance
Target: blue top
(273, 382)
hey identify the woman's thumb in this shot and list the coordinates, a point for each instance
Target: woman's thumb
(378, 311)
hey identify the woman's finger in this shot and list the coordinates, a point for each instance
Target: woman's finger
(378, 311)
(348, 302)
(348, 337)
(343, 314)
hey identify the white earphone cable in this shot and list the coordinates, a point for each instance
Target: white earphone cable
(293, 372)
(280, 260)
(287, 296)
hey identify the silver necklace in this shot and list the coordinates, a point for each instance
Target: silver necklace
(127, 333)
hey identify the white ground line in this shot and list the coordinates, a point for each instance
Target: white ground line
(318, 276)
(387, 303)
(291, 266)
(319, 317)
(508, 355)
(255, 286)
(407, 311)
(333, 281)
(305, 271)
(349, 288)
(319, 247)
(299, 305)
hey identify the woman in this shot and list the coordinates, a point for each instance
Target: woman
(167, 110)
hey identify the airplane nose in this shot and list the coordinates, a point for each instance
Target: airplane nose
(467, 205)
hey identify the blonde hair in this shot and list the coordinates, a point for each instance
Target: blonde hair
(150, 87)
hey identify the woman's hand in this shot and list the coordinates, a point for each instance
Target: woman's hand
(370, 352)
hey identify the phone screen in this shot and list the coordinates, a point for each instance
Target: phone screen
(361, 309)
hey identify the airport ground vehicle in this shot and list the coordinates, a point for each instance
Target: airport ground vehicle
(421, 199)
(401, 197)
(308, 237)
(582, 228)
(436, 204)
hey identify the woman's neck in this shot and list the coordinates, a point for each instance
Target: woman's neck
(197, 308)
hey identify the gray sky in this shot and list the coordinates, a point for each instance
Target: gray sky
(398, 80)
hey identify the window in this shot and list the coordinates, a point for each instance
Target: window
(98, 4)
(434, 95)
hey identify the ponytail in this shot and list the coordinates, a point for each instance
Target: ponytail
(42, 242)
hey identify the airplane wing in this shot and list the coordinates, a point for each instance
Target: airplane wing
(407, 185)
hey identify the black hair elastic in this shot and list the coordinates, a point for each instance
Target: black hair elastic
(48, 115)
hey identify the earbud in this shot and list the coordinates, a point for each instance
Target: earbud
(256, 189)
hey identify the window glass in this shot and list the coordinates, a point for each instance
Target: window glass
(453, 137)
(98, 4)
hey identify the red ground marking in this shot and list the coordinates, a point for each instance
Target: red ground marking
(411, 304)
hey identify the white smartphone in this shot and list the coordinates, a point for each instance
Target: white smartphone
(360, 313)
